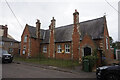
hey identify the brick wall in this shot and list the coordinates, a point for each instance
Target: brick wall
(75, 36)
(51, 44)
(46, 54)
(11, 45)
(86, 42)
(63, 55)
(108, 53)
(51, 40)
(25, 44)
(34, 47)
(66, 56)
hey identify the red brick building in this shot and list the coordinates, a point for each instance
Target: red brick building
(67, 42)
(7, 42)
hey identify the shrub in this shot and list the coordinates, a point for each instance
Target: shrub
(92, 58)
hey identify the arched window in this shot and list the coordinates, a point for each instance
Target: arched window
(87, 51)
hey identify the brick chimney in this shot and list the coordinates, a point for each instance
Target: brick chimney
(75, 19)
(52, 25)
(5, 28)
(38, 24)
(75, 36)
(51, 40)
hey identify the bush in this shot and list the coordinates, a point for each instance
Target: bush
(92, 58)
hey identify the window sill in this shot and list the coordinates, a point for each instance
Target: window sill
(67, 52)
(59, 52)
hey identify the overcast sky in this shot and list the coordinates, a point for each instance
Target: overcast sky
(27, 11)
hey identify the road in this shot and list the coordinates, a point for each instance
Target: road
(14, 70)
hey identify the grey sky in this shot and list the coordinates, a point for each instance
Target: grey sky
(27, 11)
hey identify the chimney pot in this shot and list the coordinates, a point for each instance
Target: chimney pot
(5, 25)
(38, 20)
(5, 31)
(75, 10)
(76, 17)
(38, 29)
(52, 25)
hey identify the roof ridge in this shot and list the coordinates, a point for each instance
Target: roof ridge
(70, 24)
(80, 22)
(34, 27)
(92, 19)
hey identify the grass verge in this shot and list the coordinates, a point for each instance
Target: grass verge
(50, 62)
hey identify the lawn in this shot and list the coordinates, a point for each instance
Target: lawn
(50, 62)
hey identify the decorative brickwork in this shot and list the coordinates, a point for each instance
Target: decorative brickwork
(69, 42)
(51, 40)
(76, 36)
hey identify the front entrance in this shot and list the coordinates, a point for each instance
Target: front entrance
(87, 51)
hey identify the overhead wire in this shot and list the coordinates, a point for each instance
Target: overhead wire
(14, 14)
(112, 7)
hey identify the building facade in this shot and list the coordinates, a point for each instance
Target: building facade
(70, 42)
(7, 42)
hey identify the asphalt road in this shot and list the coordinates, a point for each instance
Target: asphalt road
(14, 70)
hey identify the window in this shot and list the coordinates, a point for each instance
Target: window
(10, 50)
(11, 43)
(1, 43)
(67, 48)
(23, 51)
(25, 38)
(106, 42)
(87, 51)
(45, 49)
(59, 49)
(24, 47)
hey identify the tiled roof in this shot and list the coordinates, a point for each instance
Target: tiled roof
(32, 31)
(6, 39)
(94, 28)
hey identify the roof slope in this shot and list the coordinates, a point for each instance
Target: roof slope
(6, 39)
(32, 31)
(94, 28)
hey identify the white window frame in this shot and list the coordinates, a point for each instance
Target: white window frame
(67, 48)
(10, 50)
(11, 43)
(25, 38)
(107, 43)
(59, 48)
(45, 49)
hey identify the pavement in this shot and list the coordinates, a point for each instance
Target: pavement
(19, 69)
(77, 69)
